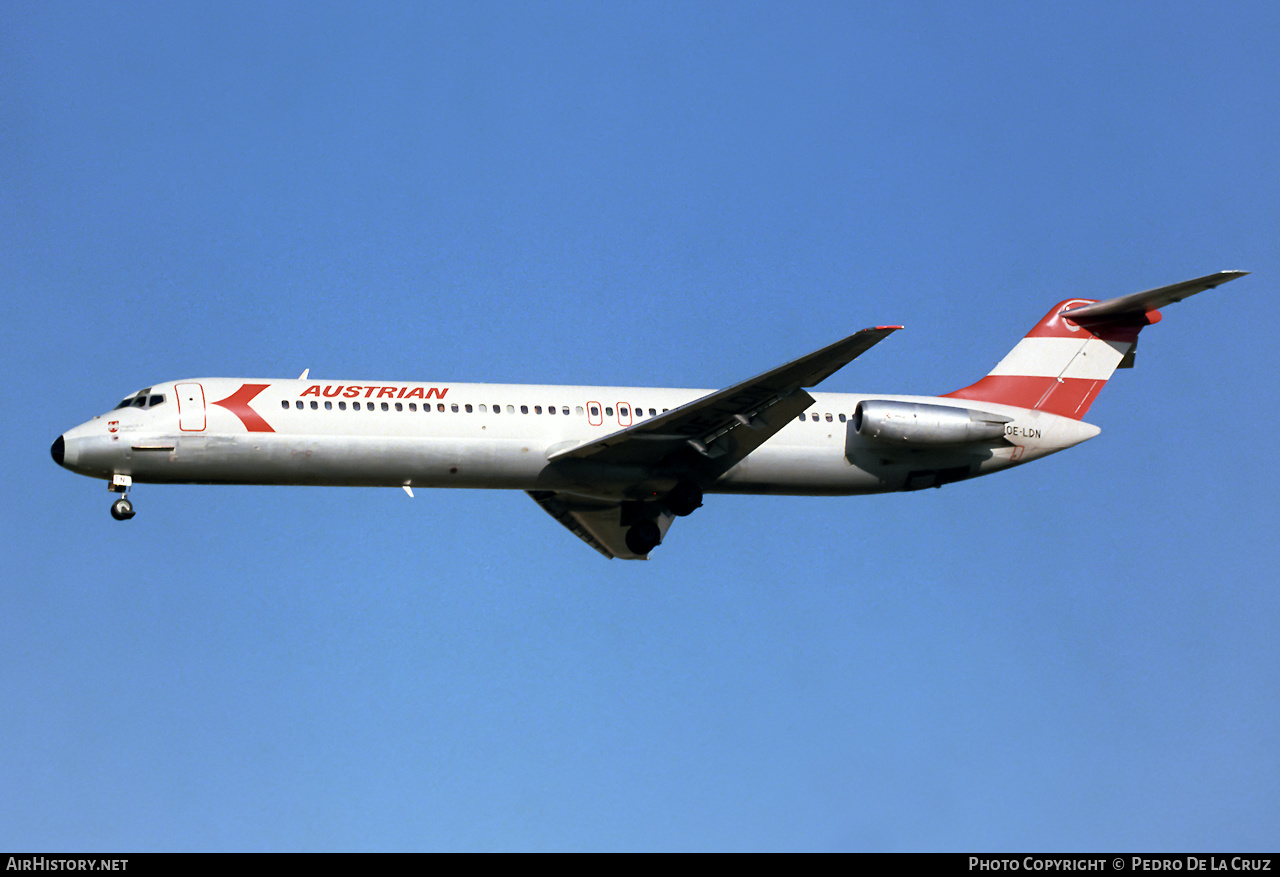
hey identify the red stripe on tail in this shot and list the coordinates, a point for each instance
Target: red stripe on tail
(1060, 366)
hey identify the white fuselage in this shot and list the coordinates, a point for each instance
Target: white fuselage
(617, 465)
(411, 434)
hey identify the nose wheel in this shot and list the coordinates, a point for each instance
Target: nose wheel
(121, 509)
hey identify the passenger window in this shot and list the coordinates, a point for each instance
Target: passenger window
(399, 406)
(386, 407)
(551, 409)
(440, 407)
(342, 406)
(298, 404)
(413, 406)
(454, 407)
(828, 418)
(524, 409)
(483, 409)
(623, 412)
(565, 411)
(537, 409)
(328, 406)
(468, 407)
(511, 409)
(355, 406)
(315, 406)
(284, 403)
(608, 409)
(576, 410)
(595, 412)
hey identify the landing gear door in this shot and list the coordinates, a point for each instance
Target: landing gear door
(190, 407)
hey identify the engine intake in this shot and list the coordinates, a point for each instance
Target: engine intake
(919, 424)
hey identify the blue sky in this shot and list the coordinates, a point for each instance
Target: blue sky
(1077, 655)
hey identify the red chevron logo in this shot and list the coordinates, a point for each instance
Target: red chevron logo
(238, 404)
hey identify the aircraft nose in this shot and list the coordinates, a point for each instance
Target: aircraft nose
(59, 450)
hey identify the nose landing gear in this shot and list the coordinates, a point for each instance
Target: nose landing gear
(121, 509)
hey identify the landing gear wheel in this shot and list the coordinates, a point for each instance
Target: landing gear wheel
(684, 499)
(122, 509)
(643, 537)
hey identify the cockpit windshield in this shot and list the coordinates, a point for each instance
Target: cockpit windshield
(142, 399)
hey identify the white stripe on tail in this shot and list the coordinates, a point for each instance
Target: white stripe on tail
(1061, 366)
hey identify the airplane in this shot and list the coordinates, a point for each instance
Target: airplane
(617, 465)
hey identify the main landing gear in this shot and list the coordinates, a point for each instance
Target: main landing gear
(644, 534)
(643, 537)
(121, 509)
(684, 499)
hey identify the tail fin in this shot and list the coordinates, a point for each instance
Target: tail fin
(1064, 362)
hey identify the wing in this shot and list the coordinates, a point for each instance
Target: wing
(599, 523)
(700, 441)
(720, 429)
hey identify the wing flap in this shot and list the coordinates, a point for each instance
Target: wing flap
(598, 523)
(553, 505)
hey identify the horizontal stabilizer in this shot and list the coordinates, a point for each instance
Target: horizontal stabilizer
(1067, 358)
(1151, 300)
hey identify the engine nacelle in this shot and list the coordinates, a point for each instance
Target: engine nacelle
(918, 424)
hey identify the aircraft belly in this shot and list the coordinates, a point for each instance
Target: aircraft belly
(344, 460)
(797, 471)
